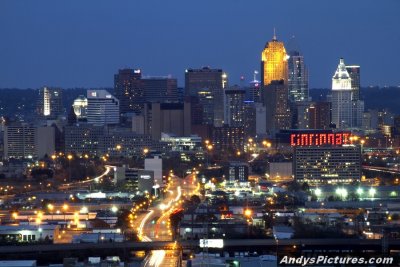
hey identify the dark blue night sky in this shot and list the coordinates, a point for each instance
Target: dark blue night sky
(82, 43)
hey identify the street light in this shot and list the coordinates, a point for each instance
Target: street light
(360, 191)
(50, 207)
(248, 213)
(342, 192)
(372, 192)
(318, 192)
(69, 157)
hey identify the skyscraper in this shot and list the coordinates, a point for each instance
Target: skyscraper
(278, 115)
(342, 115)
(320, 115)
(347, 108)
(254, 90)
(171, 118)
(208, 85)
(298, 77)
(234, 106)
(354, 72)
(49, 103)
(102, 108)
(129, 90)
(160, 89)
(274, 65)
(198, 79)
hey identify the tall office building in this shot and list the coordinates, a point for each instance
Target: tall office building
(298, 77)
(342, 115)
(23, 141)
(331, 163)
(129, 90)
(50, 103)
(198, 79)
(234, 106)
(102, 108)
(312, 115)
(320, 115)
(171, 118)
(160, 89)
(228, 138)
(278, 115)
(83, 138)
(354, 72)
(208, 85)
(347, 109)
(254, 91)
(250, 118)
(274, 65)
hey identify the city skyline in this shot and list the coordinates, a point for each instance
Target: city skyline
(94, 41)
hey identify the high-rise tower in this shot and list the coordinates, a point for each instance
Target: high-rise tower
(342, 111)
(129, 91)
(354, 72)
(274, 65)
(234, 106)
(298, 77)
(278, 115)
(102, 108)
(208, 86)
(49, 103)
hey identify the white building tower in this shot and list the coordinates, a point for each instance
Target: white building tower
(342, 115)
(102, 108)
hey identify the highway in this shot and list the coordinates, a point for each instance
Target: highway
(381, 169)
(79, 184)
(154, 225)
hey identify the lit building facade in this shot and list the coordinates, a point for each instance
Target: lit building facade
(134, 180)
(347, 109)
(25, 141)
(274, 64)
(103, 108)
(237, 172)
(228, 138)
(83, 139)
(319, 115)
(128, 89)
(354, 72)
(116, 142)
(234, 106)
(298, 77)
(254, 91)
(278, 114)
(325, 158)
(171, 118)
(50, 103)
(312, 115)
(208, 85)
(80, 107)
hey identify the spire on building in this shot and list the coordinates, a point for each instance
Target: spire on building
(274, 37)
(341, 71)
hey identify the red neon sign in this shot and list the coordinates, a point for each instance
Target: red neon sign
(320, 139)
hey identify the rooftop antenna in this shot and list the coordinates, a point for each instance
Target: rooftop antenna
(255, 75)
(274, 38)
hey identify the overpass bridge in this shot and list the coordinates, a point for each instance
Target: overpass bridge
(229, 244)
